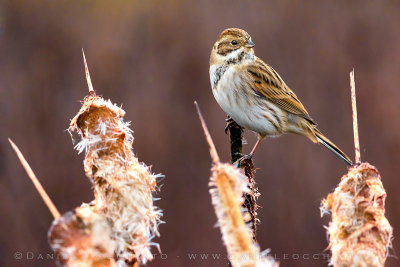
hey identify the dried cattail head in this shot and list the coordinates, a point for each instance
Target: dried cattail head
(102, 128)
(116, 229)
(228, 186)
(359, 233)
(123, 186)
(82, 238)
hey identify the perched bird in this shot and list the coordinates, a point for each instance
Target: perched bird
(254, 95)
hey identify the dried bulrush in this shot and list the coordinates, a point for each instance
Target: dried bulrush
(83, 237)
(79, 238)
(118, 226)
(359, 233)
(228, 186)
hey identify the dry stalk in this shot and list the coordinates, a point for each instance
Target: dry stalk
(250, 197)
(359, 234)
(119, 225)
(227, 188)
(46, 199)
(355, 122)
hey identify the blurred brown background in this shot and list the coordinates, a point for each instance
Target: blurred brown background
(152, 57)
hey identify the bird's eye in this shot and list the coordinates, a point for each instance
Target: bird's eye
(234, 42)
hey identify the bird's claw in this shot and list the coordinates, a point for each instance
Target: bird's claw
(242, 159)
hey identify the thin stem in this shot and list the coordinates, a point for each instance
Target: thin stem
(50, 205)
(213, 151)
(355, 122)
(89, 81)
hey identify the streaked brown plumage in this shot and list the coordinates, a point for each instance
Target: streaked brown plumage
(254, 95)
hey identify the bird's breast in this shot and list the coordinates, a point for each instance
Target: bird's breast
(235, 96)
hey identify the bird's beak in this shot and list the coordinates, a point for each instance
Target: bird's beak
(250, 44)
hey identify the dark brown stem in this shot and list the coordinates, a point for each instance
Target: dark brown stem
(236, 138)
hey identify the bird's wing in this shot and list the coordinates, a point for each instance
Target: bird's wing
(267, 83)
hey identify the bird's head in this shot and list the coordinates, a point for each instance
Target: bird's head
(232, 45)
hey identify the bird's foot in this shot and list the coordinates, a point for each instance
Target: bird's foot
(243, 159)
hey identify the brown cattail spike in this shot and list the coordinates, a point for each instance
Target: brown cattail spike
(83, 238)
(213, 151)
(50, 205)
(228, 185)
(355, 122)
(117, 227)
(89, 81)
(359, 234)
(123, 186)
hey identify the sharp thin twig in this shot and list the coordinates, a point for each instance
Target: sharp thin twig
(89, 81)
(355, 122)
(50, 205)
(213, 151)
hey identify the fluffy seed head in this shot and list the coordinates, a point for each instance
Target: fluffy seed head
(359, 234)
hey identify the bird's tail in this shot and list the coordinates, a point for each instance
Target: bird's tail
(332, 147)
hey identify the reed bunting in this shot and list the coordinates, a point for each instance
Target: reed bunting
(254, 95)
